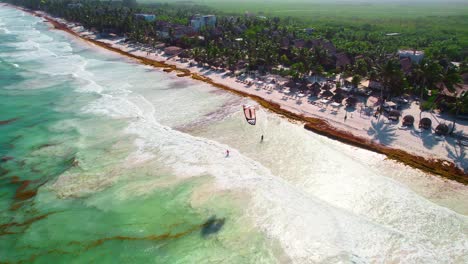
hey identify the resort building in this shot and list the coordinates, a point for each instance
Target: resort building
(172, 50)
(414, 55)
(457, 91)
(179, 31)
(342, 60)
(74, 5)
(198, 22)
(146, 17)
(309, 31)
(406, 65)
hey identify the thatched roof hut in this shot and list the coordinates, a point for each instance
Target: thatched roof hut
(184, 54)
(326, 86)
(394, 115)
(338, 97)
(351, 101)
(442, 130)
(408, 120)
(316, 85)
(302, 87)
(425, 123)
(327, 93)
(172, 50)
(290, 84)
(315, 90)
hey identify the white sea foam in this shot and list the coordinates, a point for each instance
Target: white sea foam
(391, 225)
(349, 214)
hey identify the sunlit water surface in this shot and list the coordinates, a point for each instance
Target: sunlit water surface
(106, 160)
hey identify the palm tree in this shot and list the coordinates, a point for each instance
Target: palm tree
(387, 72)
(461, 103)
(431, 73)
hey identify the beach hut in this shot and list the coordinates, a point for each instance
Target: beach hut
(408, 120)
(351, 101)
(442, 130)
(185, 54)
(302, 87)
(316, 85)
(172, 50)
(290, 84)
(394, 115)
(338, 97)
(339, 90)
(314, 90)
(425, 123)
(389, 106)
(327, 93)
(326, 86)
(249, 81)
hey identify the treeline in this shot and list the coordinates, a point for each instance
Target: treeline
(282, 46)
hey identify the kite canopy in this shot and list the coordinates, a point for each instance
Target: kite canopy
(249, 113)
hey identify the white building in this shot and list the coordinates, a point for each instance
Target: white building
(74, 5)
(414, 55)
(198, 22)
(146, 17)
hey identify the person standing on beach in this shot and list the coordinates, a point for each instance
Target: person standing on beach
(261, 139)
(346, 116)
(227, 153)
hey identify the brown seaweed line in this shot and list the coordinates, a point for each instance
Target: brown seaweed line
(5, 122)
(4, 227)
(443, 168)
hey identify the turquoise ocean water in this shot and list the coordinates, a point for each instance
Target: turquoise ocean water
(104, 160)
(51, 135)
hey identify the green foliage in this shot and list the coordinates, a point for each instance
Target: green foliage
(284, 60)
(262, 44)
(438, 28)
(356, 80)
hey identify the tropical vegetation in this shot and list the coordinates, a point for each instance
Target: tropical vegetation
(286, 45)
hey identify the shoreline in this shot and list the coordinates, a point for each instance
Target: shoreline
(435, 166)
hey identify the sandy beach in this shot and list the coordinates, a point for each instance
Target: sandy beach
(431, 153)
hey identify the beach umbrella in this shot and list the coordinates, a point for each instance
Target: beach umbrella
(442, 130)
(425, 123)
(327, 93)
(408, 120)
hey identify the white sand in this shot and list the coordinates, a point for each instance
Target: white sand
(383, 131)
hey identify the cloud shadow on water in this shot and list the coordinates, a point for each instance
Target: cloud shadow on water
(212, 226)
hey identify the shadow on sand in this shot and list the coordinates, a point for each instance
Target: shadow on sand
(381, 132)
(457, 153)
(427, 138)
